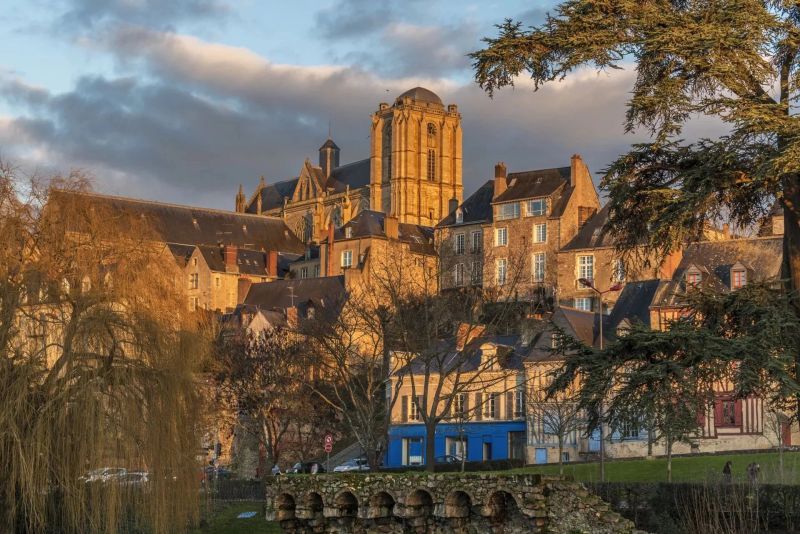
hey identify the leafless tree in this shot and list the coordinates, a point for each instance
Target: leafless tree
(556, 417)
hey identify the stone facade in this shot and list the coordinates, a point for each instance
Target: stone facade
(441, 503)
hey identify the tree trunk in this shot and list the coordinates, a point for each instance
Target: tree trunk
(791, 251)
(430, 446)
(649, 443)
(669, 459)
(560, 455)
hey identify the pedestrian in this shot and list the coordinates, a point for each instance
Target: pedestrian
(752, 473)
(726, 472)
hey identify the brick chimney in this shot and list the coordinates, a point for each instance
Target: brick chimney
(329, 254)
(576, 167)
(500, 179)
(272, 263)
(467, 332)
(667, 268)
(452, 205)
(229, 256)
(391, 227)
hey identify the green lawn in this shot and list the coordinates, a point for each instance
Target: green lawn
(684, 469)
(221, 519)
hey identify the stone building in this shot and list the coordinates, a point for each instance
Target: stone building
(412, 173)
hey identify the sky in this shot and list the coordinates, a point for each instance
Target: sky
(183, 100)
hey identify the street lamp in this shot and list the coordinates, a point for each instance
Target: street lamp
(616, 287)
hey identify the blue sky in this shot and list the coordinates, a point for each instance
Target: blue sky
(182, 100)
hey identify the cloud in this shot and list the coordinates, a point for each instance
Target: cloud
(357, 18)
(159, 14)
(198, 118)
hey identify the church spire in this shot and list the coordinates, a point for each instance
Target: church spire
(240, 200)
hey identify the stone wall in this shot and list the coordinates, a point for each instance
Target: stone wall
(446, 503)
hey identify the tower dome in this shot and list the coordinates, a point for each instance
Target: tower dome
(420, 94)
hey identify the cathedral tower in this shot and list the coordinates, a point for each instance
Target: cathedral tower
(415, 158)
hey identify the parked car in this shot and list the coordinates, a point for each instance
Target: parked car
(104, 474)
(356, 464)
(448, 459)
(307, 467)
(133, 478)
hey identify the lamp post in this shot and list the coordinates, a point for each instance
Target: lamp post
(586, 282)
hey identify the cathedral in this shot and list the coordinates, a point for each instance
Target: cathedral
(413, 173)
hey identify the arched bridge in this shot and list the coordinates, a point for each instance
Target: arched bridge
(445, 503)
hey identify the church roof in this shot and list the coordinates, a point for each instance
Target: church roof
(329, 144)
(189, 225)
(420, 94)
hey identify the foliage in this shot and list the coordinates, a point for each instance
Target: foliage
(97, 361)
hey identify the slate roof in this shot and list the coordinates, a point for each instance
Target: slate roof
(476, 209)
(370, 223)
(181, 253)
(420, 94)
(277, 295)
(762, 257)
(633, 304)
(189, 225)
(470, 358)
(249, 261)
(533, 184)
(591, 235)
(355, 174)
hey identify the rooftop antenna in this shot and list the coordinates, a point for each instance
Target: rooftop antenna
(329, 129)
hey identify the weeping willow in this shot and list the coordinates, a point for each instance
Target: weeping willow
(97, 368)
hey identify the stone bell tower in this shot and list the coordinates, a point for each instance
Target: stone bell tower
(415, 158)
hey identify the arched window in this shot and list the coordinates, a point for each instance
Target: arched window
(431, 135)
(431, 165)
(386, 151)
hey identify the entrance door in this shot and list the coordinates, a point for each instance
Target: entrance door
(415, 453)
(786, 430)
(487, 452)
(516, 445)
(541, 456)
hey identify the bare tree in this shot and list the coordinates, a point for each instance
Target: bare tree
(97, 359)
(777, 421)
(558, 416)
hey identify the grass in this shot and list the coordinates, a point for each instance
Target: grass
(684, 469)
(220, 518)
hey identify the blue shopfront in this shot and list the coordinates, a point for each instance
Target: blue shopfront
(481, 441)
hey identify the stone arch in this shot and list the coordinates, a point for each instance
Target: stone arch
(346, 504)
(457, 505)
(501, 509)
(285, 507)
(381, 505)
(312, 506)
(419, 503)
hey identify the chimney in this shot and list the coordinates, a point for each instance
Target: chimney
(291, 316)
(670, 264)
(452, 205)
(576, 165)
(272, 263)
(229, 256)
(329, 253)
(500, 179)
(467, 332)
(391, 227)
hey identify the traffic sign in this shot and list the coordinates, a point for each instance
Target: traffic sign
(328, 439)
(328, 447)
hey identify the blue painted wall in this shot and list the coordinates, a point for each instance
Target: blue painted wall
(476, 433)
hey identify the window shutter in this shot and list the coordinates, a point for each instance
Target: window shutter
(465, 415)
(496, 406)
(404, 405)
(737, 411)
(509, 405)
(478, 406)
(420, 404)
(701, 418)
(717, 412)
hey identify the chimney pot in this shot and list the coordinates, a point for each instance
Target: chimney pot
(500, 179)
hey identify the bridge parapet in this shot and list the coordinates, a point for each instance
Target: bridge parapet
(441, 502)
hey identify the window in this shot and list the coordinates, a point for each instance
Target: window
(491, 408)
(554, 340)
(217, 281)
(540, 233)
(304, 272)
(583, 303)
(586, 267)
(194, 281)
(629, 430)
(348, 232)
(619, 270)
(194, 262)
(738, 279)
(456, 446)
(414, 410)
(508, 211)
(431, 135)
(538, 267)
(459, 405)
(86, 286)
(460, 243)
(316, 271)
(519, 402)
(476, 242)
(502, 265)
(693, 278)
(537, 207)
(728, 413)
(501, 237)
(477, 272)
(459, 216)
(194, 303)
(584, 214)
(347, 258)
(431, 165)
(458, 274)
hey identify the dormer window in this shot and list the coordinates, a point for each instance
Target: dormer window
(459, 216)
(348, 232)
(693, 278)
(508, 211)
(738, 278)
(537, 207)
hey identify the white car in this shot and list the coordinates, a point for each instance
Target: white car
(356, 464)
(104, 474)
